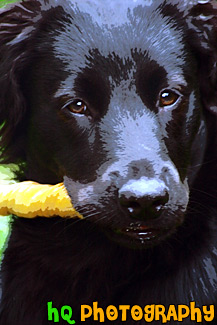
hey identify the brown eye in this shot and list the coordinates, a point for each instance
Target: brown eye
(168, 97)
(77, 107)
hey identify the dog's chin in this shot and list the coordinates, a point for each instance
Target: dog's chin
(139, 237)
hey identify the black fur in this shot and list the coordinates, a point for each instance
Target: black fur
(141, 172)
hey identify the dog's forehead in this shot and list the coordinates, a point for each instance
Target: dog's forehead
(137, 26)
(117, 12)
(110, 12)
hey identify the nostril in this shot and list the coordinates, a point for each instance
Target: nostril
(145, 209)
(160, 201)
(144, 204)
(157, 203)
(133, 207)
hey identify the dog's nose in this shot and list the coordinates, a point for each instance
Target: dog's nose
(144, 198)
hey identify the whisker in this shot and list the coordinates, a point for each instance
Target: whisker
(67, 225)
(203, 192)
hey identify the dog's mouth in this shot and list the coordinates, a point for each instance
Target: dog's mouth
(134, 234)
(135, 231)
(138, 236)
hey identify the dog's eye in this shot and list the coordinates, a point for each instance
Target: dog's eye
(168, 98)
(77, 106)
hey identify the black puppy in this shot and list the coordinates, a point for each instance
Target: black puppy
(119, 100)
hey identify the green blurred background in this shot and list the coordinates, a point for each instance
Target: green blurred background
(6, 175)
(4, 2)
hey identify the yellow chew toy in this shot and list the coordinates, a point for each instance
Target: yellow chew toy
(30, 199)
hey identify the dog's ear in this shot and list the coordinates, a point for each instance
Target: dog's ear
(202, 21)
(16, 32)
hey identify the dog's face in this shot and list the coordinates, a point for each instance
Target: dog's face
(114, 109)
